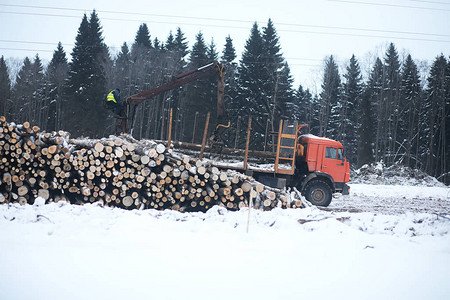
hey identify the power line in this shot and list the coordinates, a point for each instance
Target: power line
(213, 19)
(127, 13)
(31, 50)
(45, 43)
(237, 27)
(116, 19)
(367, 29)
(370, 36)
(293, 64)
(432, 2)
(298, 58)
(390, 5)
(34, 50)
(31, 42)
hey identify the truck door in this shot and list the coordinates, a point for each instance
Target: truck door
(333, 163)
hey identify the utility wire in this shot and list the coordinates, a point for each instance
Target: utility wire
(369, 36)
(390, 5)
(238, 27)
(19, 49)
(46, 43)
(367, 29)
(127, 13)
(433, 2)
(31, 42)
(116, 19)
(294, 64)
(218, 19)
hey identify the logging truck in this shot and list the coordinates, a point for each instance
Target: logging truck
(316, 166)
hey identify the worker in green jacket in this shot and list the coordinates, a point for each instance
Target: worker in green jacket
(113, 102)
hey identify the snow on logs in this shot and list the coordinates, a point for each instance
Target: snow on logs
(119, 171)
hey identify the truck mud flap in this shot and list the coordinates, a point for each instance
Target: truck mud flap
(346, 190)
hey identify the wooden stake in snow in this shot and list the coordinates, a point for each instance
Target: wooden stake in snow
(249, 207)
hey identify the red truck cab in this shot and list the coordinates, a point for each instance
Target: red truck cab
(324, 168)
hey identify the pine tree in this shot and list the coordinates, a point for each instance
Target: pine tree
(122, 70)
(446, 177)
(28, 93)
(22, 92)
(84, 112)
(213, 56)
(157, 45)
(56, 76)
(391, 102)
(198, 93)
(38, 112)
(330, 99)
(315, 115)
(199, 56)
(103, 61)
(410, 101)
(181, 45)
(231, 69)
(365, 129)
(375, 93)
(141, 78)
(170, 42)
(351, 99)
(265, 83)
(436, 111)
(271, 44)
(5, 87)
(211, 53)
(76, 86)
(231, 87)
(176, 50)
(141, 60)
(307, 110)
(250, 70)
(228, 53)
(277, 80)
(285, 95)
(142, 38)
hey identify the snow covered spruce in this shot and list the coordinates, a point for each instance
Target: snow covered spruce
(120, 171)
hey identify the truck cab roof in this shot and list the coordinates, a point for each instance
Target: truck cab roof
(313, 139)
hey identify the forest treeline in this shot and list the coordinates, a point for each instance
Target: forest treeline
(391, 116)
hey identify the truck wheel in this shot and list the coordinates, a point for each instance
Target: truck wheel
(318, 193)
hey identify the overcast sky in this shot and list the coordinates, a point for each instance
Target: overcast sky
(309, 31)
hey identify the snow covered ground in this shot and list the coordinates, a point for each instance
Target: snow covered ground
(394, 199)
(380, 242)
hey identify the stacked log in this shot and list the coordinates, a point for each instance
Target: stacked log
(119, 171)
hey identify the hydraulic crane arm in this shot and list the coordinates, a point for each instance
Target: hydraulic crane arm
(177, 81)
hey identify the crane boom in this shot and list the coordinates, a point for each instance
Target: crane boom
(177, 81)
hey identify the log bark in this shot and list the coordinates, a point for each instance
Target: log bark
(116, 171)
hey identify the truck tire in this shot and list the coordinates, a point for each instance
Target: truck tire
(318, 193)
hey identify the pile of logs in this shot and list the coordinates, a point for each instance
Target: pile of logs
(119, 171)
